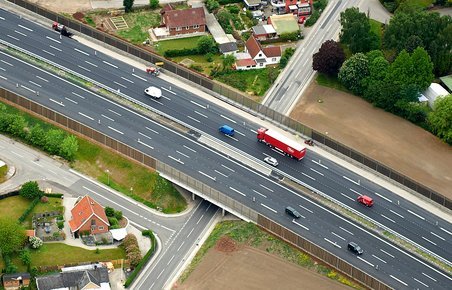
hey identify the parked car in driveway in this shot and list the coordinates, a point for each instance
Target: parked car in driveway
(272, 161)
(353, 247)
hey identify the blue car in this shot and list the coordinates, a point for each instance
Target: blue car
(225, 129)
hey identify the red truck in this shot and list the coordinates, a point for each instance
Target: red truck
(275, 140)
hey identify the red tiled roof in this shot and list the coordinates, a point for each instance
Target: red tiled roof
(253, 46)
(183, 18)
(30, 233)
(84, 210)
(245, 62)
(166, 8)
(272, 51)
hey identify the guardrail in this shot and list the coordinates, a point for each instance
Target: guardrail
(192, 184)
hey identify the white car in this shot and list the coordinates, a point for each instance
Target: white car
(272, 161)
(154, 92)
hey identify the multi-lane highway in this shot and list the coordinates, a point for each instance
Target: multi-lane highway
(187, 154)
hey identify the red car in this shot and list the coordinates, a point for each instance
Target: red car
(301, 19)
(364, 199)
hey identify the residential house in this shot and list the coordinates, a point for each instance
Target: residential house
(226, 42)
(93, 277)
(187, 21)
(253, 4)
(88, 216)
(433, 92)
(264, 32)
(16, 281)
(256, 56)
(298, 7)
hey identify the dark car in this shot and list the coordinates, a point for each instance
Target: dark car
(355, 248)
(292, 212)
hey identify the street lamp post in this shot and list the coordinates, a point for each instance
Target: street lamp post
(108, 176)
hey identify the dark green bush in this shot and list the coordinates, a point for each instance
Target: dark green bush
(181, 52)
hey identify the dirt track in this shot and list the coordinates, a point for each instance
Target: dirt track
(383, 136)
(250, 268)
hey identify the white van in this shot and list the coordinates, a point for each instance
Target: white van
(154, 92)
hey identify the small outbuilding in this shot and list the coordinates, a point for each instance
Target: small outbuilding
(433, 92)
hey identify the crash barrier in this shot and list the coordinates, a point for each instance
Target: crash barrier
(191, 184)
(240, 100)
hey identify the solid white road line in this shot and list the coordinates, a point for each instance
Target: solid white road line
(346, 196)
(306, 209)
(21, 33)
(190, 232)
(116, 130)
(84, 68)
(425, 285)
(80, 96)
(308, 176)
(36, 84)
(42, 79)
(207, 175)
(107, 63)
(183, 242)
(86, 116)
(71, 100)
(54, 47)
(144, 135)
(52, 54)
(318, 172)
(81, 51)
(196, 120)
(429, 277)
(444, 230)
(269, 208)
(90, 63)
(391, 220)
(378, 258)
(318, 163)
(108, 118)
(269, 189)
(333, 233)
(56, 102)
(392, 256)
(119, 84)
(5, 62)
(415, 214)
(201, 114)
(50, 38)
(352, 190)
(439, 237)
(385, 198)
(138, 77)
(333, 243)
(349, 179)
(192, 150)
(229, 119)
(428, 240)
(300, 225)
(396, 213)
(185, 155)
(237, 191)
(178, 160)
(398, 280)
(169, 91)
(263, 195)
(144, 144)
(199, 219)
(15, 38)
(365, 261)
(127, 80)
(115, 112)
(228, 168)
(347, 231)
(26, 28)
(199, 105)
(28, 89)
(221, 173)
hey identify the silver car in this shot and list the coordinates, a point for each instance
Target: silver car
(272, 161)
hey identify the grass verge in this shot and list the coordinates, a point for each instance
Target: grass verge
(188, 42)
(13, 206)
(3, 172)
(251, 235)
(331, 82)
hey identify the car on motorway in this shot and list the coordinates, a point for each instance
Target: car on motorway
(272, 161)
(364, 199)
(154, 92)
(353, 247)
(226, 130)
(292, 212)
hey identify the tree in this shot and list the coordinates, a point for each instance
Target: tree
(127, 5)
(440, 120)
(353, 71)
(36, 136)
(30, 190)
(329, 58)
(374, 83)
(228, 61)
(17, 125)
(153, 4)
(412, 43)
(206, 44)
(109, 211)
(12, 235)
(118, 215)
(69, 148)
(25, 257)
(35, 242)
(356, 32)
(53, 140)
(287, 54)
(212, 5)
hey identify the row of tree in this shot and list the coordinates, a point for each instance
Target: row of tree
(392, 83)
(53, 141)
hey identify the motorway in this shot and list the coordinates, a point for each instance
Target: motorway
(188, 155)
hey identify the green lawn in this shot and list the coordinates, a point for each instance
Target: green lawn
(331, 82)
(164, 45)
(13, 206)
(139, 22)
(54, 204)
(200, 60)
(59, 254)
(255, 82)
(127, 177)
(3, 172)
(420, 3)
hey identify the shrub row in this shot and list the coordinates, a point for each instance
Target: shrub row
(130, 245)
(29, 209)
(143, 261)
(181, 52)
